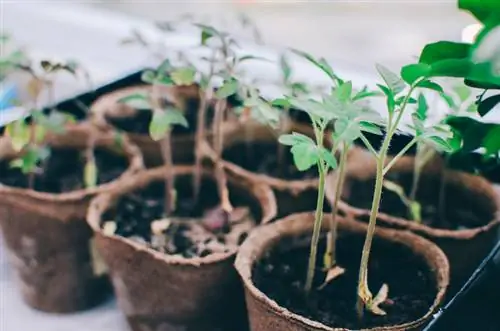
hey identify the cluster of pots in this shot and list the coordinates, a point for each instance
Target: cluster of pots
(66, 261)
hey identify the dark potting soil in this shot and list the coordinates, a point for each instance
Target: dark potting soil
(194, 230)
(262, 158)
(63, 171)
(280, 274)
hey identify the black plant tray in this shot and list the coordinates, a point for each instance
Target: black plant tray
(477, 305)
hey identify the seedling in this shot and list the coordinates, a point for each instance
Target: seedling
(28, 137)
(340, 110)
(165, 115)
(398, 92)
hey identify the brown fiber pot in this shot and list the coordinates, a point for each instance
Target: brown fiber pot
(266, 315)
(47, 238)
(292, 195)
(107, 107)
(158, 292)
(465, 194)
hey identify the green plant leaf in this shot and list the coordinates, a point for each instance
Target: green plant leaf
(444, 50)
(488, 104)
(492, 140)
(148, 76)
(286, 70)
(322, 111)
(163, 121)
(136, 101)
(430, 85)
(295, 138)
(481, 9)
(451, 68)
(440, 144)
(346, 130)
(344, 91)
(462, 91)
(328, 157)
(363, 94)
(19, 134)
(183, 76)
(281, 102)
(321, 63)
(305, 155)
(395, 84)
(164, 67)
(370, 128)
(252, 57)
(228, 88)
(391, 103)
(422, 107)
(412, 72)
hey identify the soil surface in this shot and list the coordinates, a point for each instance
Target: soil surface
(412, 289)
(262, 158)
(194, 229)
(453, 219)
(63, 171)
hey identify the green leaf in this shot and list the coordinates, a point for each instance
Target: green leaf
(305, 155)
(228, 88)
(346, 130)
(481, 9)
(440, 144)
(492, 140)
(90, 175)
(183, 76)
(422, 107)
(295, 138)
(252, 57)
(344, 91)
(136, 101)
(262, 111)
(315, 109)
(391, 103)
(413, 72)
(365, 94)
(463, 92)
(164, 79)
(162, 122)
(431, 85)
(281, 102)
(451, 68)
(148, 76)
(391, 79)
(370, 128)
(322, 64)
(164, 67)
(488, 104)
(286, 70)
(19, 134)
(328, 157)
(444, 50)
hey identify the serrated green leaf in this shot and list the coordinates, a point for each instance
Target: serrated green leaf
(305, 156)
(183, 76)
(90, 175)
(393, 81)
(430, 85)
(228, 88)
(344, 91)
(136, 101)
(314, 108)
(148, 76)
(346, 130)
(413, 72)
(370, 128)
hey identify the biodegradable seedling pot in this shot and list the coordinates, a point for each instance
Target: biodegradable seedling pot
(47, 238)
(255, 141)
(280, 238)
(107, 110)
(157, 291)
(470, 201)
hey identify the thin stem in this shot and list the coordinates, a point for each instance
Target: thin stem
(218, 143)
(318, 218)
(368, 145)
(281, 147)
(364, 294)
(442, 193)
(200, 137)
(331, 254)
(399, 155)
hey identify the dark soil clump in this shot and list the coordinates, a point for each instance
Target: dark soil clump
(63, 171)
(281, 276)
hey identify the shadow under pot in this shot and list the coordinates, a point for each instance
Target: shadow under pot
(135, 121)
(252, 152)
(272, 263)
(459, 211)
(47, 239)
(176, 272)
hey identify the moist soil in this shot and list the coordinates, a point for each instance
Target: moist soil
(63, 171)
(280, 274)
(453, 219)
(194, 229)
(262, 158)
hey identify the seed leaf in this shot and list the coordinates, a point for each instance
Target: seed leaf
(183, 76)
(136, 101)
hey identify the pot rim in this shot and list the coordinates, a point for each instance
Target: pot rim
(264, 237)
(452, 176)
(102, 202)
(106, 139)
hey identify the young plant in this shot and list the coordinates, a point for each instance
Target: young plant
(165, 116)
(28, 137)
(399, 95)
